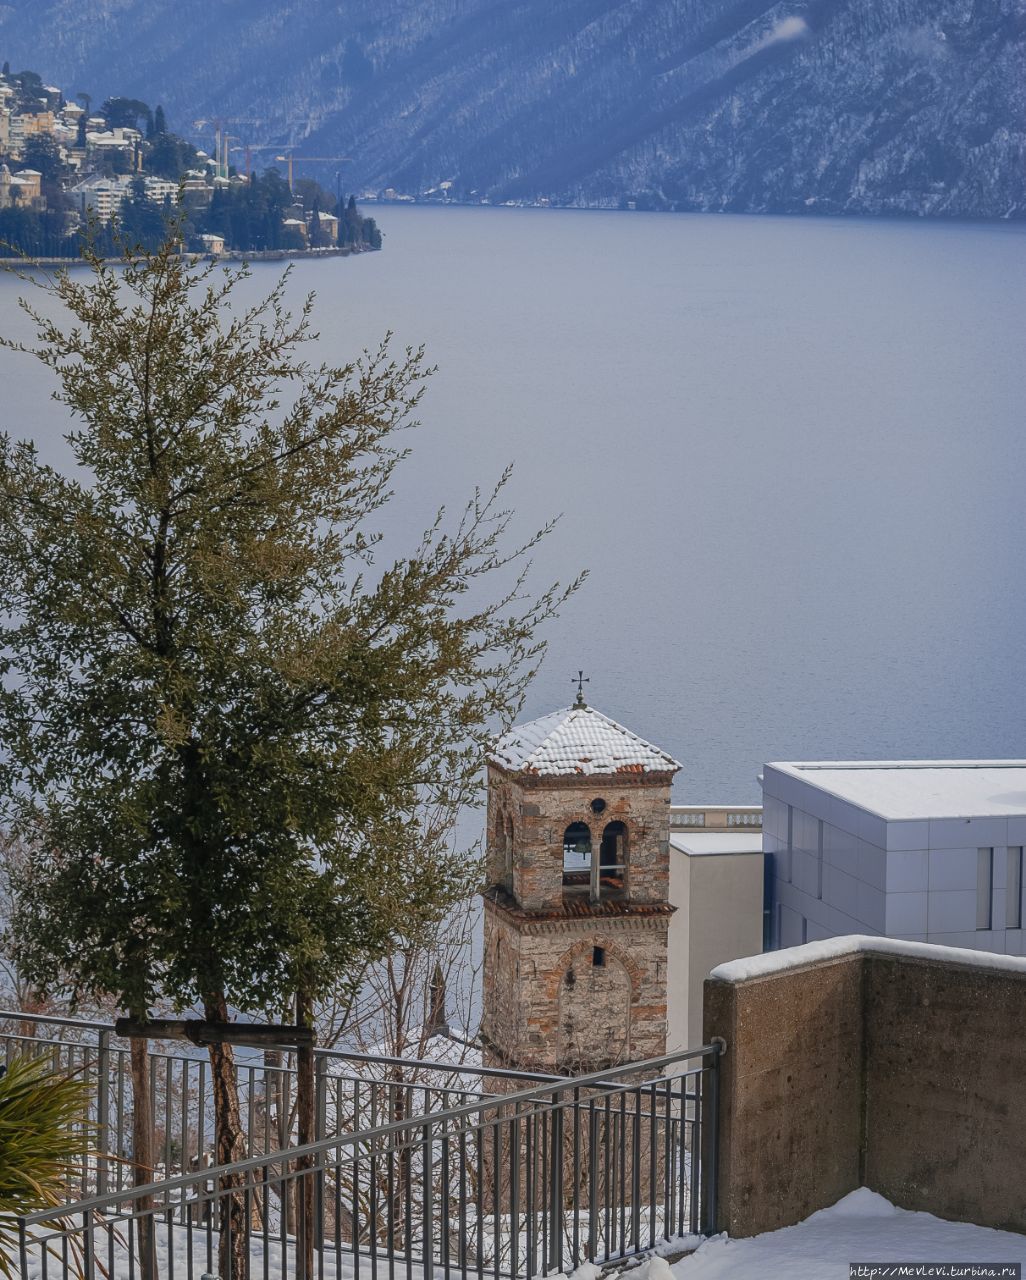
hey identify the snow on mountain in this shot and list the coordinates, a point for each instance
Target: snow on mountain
(863, 106)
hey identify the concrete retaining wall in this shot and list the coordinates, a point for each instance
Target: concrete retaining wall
(903, 1073)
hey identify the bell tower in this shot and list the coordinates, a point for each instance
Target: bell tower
(576, 907)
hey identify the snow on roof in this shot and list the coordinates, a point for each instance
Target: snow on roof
(707, 843)
(910, 789)
(772, 962)
(577, 739)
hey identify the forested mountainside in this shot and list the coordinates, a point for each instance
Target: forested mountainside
(863, 106)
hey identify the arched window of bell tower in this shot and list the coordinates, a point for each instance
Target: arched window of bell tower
(577, 860)
(613, 861)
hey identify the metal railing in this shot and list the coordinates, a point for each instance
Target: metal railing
(354, 1090)
(598, 1167)
(715, 817)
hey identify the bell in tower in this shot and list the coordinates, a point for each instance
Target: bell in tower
(576, 897)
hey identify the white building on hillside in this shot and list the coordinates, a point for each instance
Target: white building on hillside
(929, 850)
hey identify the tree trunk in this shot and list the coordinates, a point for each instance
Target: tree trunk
(306, 1113)
(233, 1250)
(142, 1154)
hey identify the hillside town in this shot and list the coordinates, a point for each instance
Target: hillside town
(68, 169)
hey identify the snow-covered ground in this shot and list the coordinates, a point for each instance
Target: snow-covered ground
(863, 1227)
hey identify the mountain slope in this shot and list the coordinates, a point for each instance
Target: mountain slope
(865, 106)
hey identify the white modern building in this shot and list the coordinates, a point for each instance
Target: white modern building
(928, 850)
(716, 884)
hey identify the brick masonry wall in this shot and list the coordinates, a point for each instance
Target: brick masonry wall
(546, 1005)
(538, 810)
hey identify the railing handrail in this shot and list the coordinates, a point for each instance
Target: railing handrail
(16, 1015)
(443, 1068)
(96, 1204)
(320, 1051)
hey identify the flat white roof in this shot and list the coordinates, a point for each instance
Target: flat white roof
(909, 789)
(698, 844)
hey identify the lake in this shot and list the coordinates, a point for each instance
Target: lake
(789, 451)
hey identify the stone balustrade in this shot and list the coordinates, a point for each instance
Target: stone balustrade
(715, 817)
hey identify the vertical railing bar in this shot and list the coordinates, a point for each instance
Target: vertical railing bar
(102, 1108)
(390, 1189)
(120, 1139)
(427, 1235)
(168, 1087)
(593, 1161)
(557, 1228)
(463, 1203)
(88, 1271)
(620, 1124)
(497, 1195)
(407, 1176)
(636, 1173)
(544, 1188)
(169, 1216)
(338, 1213)
(187, 1220)
(355, 1231)
(575, 1167)
(443, 1200)
(372, 1216)
(694, 1190)
(479, 1149)
(514, 1198)
(529, 1220)
(284, 1195)
(185, 1121)
(201, 1118)
(209, 1193)
(711, 1123)
(609, 1178)
(653, 1150)
(669, 1157)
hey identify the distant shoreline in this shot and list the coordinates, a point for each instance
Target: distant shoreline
(229, 255)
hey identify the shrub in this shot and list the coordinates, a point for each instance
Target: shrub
(44, 1136)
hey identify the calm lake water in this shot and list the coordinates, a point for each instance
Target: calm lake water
(790, 452)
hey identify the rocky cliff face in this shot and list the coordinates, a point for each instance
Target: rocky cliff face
(863, 106)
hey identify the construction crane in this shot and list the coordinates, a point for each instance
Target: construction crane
(221, 138)
(292, 159)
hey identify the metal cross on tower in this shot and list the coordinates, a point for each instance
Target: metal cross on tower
(580, 681)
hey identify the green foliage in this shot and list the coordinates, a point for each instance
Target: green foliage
(235, 743)
(250, 216)
(42, 1142)
(25, 233)
(42, 153)
(169, 156)
(29, 92)
(124, 113)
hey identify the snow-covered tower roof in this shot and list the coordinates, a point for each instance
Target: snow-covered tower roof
(577, 740)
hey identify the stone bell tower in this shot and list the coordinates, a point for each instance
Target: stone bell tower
(576, 900)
